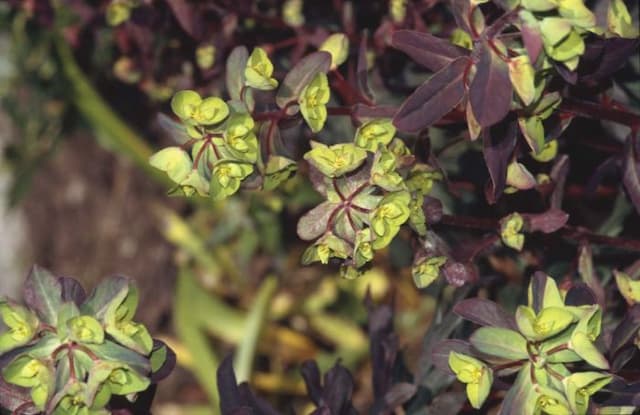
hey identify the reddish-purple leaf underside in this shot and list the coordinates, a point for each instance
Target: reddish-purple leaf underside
(434, 98)
(630, 174)
(490, 92)
(429, 51)
(546, 222)
(499, 142)
(485, 313)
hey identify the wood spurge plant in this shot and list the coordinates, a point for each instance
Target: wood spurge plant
(66, 352)
(477, 159)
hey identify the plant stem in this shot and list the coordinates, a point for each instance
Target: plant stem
(567, 232)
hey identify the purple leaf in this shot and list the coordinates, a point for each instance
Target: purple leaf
(429, 51)
(333, 397)
(43, 294)
(72, 290)
(434, 98)
(398, 395)
(187, 17)
(440, 354)
(580, 294)
(532, 41)
(379, 111)
(490, 92)
(621, 393)
(236, 63)
(168, 364)
(626, 331)
(362, 70)
(546, 222)
(499, 143)
(384, 359)
(314, 223)
(589, 275)
(630, 174)
(12, 397)
(484, 313)
(102, 296)
(238, 399)
(603, 57)
(300, 76)
(558, 174)
(538, 284)
(311, 376)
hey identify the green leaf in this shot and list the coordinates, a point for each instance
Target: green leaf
(510, 231)
(576, 12)
(313, 100)
(258, 71)
(21, 323)
(619, 20)
(549, 322)
(85, 329)
(427, 270)
(475, 374)
(500, 342)
(119, 322)
(550, 295)
(374, 133)
(226, 178)
(551, 402)
(278, 170)
(327, 247)
(241, 138)
(43, 294)
(519, 177)
(579, 387)
(338, 46)
(555, 30)
(174, 161)
(336, 160)
(522, 77)
(118, 12)
(540, 5)
(185, 104)
(301, 75)
(630, 289)
(117, 378)
(521, 397)
(583, 347)
(533, 131)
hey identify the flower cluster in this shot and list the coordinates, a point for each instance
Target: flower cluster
(372, 187)
(69, 353)
(545, 344)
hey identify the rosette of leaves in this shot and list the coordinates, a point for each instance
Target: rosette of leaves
(66, 352)
(551, 347)
(371, 187)
(224, 148)
(230, 141)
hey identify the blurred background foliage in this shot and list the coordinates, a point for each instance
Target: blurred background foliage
(82, 98)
